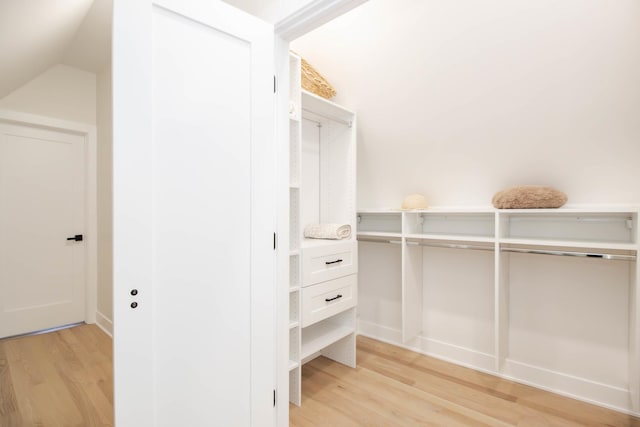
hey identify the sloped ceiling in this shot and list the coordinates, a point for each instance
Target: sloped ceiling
(457, 99)
(37, 34)
(90, 50)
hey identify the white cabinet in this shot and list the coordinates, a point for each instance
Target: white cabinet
(548, 297)
(323, 273)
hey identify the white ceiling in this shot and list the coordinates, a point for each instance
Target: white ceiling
(37, 34)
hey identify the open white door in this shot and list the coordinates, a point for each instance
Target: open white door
(194, 215)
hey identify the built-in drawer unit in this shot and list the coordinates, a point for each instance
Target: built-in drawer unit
(326, 262)
(328, 298)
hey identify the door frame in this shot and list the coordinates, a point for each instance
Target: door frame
(88, 132)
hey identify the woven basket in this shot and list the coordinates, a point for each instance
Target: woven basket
(315, 83)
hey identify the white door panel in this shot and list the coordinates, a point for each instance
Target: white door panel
(193, 215)
(42, 283)
(201, 193)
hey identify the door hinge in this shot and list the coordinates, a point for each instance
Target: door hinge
(274, 84)
(275, 239)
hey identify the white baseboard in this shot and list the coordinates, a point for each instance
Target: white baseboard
(568, 385)
(440, 350)
(104, 323)
(556, 382)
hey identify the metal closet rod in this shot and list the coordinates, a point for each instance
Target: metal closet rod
(328, 117)
(433, 244)
(518, 250)
(571, 253)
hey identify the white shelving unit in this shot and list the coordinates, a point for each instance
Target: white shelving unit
(323, 273)
(547, 297)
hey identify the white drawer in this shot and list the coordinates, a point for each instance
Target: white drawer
(328, 298)
(322, 263)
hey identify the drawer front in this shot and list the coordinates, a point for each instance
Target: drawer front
(323, 263)
(326, 299)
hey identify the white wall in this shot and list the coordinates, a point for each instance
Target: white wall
(459, 99)
(62, 92)
(105, 197)
(72, 94)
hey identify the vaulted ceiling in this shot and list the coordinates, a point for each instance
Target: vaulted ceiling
(37, 34)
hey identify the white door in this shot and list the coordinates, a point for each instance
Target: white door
(42, 191)
(194, 215)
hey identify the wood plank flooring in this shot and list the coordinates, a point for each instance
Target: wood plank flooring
(61, 378)
(64, 378)
(395, 387)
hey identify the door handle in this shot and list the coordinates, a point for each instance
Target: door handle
(77, 238)
(333, 262)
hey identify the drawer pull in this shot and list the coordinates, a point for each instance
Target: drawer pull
(334, 298)
(333, 262)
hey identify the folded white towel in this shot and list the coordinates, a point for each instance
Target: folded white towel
(327, 231)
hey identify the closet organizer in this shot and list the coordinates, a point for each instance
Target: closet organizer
(323, 277)
(546, 297)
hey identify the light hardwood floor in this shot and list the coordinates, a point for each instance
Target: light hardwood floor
(64, 378)
(395, 387)
(61, 378)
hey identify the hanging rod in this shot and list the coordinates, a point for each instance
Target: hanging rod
(518, 250)
(349, 123)
(433, 245)
(571, 253)
(452, 246)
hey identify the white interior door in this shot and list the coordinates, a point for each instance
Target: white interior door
(42, 199)
(194, 215)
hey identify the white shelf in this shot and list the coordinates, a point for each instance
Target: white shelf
(379, 234)
(595, 209)
(323, 107)
(294, 252)
(314, 243)
(599, 228)
(571, 209)
(320, 335)
(293, 324)
(293, 365)
(570, 244)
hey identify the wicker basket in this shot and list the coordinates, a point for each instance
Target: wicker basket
(315, 83)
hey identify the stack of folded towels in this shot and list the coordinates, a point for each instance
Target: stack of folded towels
(327, 231)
